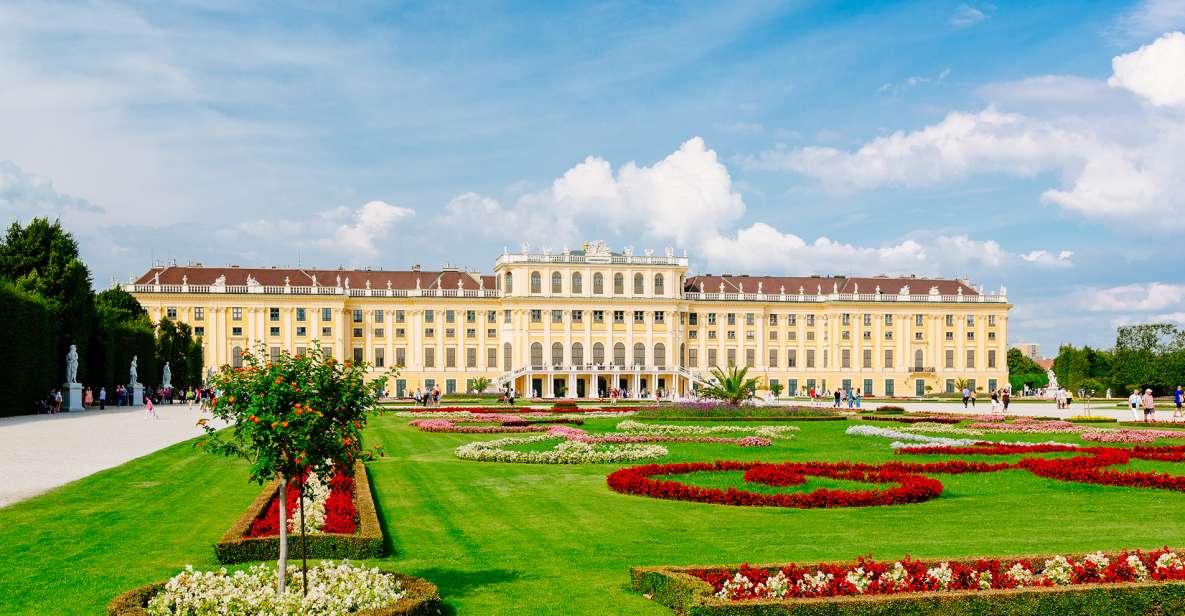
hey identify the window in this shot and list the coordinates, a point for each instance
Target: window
(450, 332)
(659, 286)
(711, 318)
(639, 354)
(471, 357)
(792, 320)
(919, 359)
(773, 320)
(791, 335)
(491, 316)
(470, 316)
(791, 358)
(693, 358)
(639, 316)
(732, 335)
(773, 334)
(888, 334)
(400, 356)
(950, 320)
(992, 321)
(866, 335)
(236, 314)
(598, 316)
(845, 319)
(888, 358)
(429, 316)
(810, 358)
(536, 282)
(970, 320)
(400, 332)
(660, 355)
(326, 332)
(773, 358)
(577, 354)
(917, 320)
(328, 350)
(711, 334)
(380, 357)
(357, 332)
(619, 354)
(273, 331)
(748, 334)
(557, 283)
(867, 359)
(889, 320)
(199, 331)
(732, 319)
(577, 316)
(693, 318)
(429, 357)
(950, 359)
(557, 354)
(199, 314)
(845, 358)
(991, 360)
(639, 284)
(358, 355)
(810, 320)
(971, 335)
(536, 315)
(749, 319)
(598, 284)
(491, 357)
(507, 356)
(450, 316)
(171, 312)
(450, 357)
(731, 355)
(846, 335)
(470, 332)
(867, 320)
(357, 315)
(917, 335)
(557, 316)
(970, 359)
(537, 354)
(660, 316)
(508, 283)
(618, 284)
(507, 316)
(991, 335)
(619, 316)
(326, 314)
(598, 353)
(400, 316)
(712, 363)
(491, 333)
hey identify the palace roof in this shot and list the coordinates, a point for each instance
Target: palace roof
(357, 279)
(816, 285)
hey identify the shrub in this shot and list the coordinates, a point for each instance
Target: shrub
(1091, 419)
(889, 410)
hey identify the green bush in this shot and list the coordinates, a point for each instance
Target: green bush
(366, 543)
(889, 410)
(27, 363)
(688, 595)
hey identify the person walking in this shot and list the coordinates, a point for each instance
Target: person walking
(858, 397)
(1005, 398)
(1134, 401)
(966, 396)
(837, 396)
(149, 409)
(973, 397)
(1149, 406)
(995, 401)
(102, 398)
(88, 398)
(1178, 399)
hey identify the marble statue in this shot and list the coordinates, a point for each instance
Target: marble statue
(72, 365)
(166, 378)
(132, 371)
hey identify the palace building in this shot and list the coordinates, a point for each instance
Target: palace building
(577, 323)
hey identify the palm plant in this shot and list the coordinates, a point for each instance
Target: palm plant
(961, 384)
(731, 386)
(480, 384)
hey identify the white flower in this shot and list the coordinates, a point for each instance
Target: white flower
(738, 586)
(859, 578)
(941, 575)
(565, 451)
(777, 586)
(1138, 567)
(1021, 575)
(984, 580)
(897, 577)
(1169, 561)
(816, 583)
(1058, 571)
(1098, 559)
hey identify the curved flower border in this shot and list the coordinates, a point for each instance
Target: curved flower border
(566, 451)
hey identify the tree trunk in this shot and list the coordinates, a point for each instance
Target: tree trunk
(282, 574)
(304, 562)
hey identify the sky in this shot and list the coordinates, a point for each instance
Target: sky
(1023, 145)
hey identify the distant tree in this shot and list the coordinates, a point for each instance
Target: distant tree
(480, 384)
(1148, 355)
(176, 345)
(775, 389)
(732, 386)
(1023, 371)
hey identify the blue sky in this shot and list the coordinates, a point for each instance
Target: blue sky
(1023, 145)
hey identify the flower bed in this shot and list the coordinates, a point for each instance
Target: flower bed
(1091, 419)
(506, 423)
(334, 590)
(577, 434)
(329, 508)
(913, 419)
(1087, 585)
(566, 451)
(255, 536)
(1030, 426)
(771, 432)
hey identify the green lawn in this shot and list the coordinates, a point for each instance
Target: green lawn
(509, 538)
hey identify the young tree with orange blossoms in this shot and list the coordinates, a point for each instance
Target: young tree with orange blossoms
(297, 414)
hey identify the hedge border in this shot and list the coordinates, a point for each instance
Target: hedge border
(691, 596)
(368, 542)
(422, 598)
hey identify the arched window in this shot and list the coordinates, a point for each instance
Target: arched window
(577, 354)
(619, 354)
(598, 284)
(639, 284)
(919, 358)
(660, 355)
(557, 283)
(598, 353)
(618, 284)
(577, 283)
(536, 355)
(557, 354)
(508, 284)
(639, 354)
(236, 357)
(536, 282)
(659, 288)
(507, 357)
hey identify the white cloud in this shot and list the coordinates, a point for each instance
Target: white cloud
(1155, 71)
(1141, 297)
(370, 222)
(24, 194)
(1151, 18)
(966, 15)
(740, 128)
(1045, 258)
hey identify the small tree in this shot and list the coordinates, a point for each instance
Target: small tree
(480, 384)
(301, 413)
(731, 387)
(775, 389)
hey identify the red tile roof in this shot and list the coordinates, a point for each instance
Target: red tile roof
(814, 285)
(357, 279)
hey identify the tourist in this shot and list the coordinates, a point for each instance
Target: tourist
(966, 396)
(149, 409)
(88, 398)
(1178, 399)
(57, 401)
(995, 401)
(858, 397)
(102, 398)
(1005, 398)
(1149, 406)
(1134, 401)
(120, 394)
(973, 397)
(837, 396)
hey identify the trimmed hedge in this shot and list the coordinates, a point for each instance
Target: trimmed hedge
(368, 542)
(28, 363)
(691, 596)
(422, 599)
(890, 410)
(1091, 419)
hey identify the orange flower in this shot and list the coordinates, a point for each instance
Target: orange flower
(283, 424)
(296, 410)
(275, 423)
(255, 419)
(279, 380)
(346, 441)
(203, 421)
(231, 399)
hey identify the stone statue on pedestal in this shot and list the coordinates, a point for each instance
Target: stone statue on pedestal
(133, 374)
(166, 378)
(72, 365)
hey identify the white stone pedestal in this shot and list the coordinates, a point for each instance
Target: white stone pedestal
(72, 396)
(138, 395)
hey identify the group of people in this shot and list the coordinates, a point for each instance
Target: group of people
(429, 397)
(124, 396)
(1145, 405)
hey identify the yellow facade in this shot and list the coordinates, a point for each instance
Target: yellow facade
(576, 324)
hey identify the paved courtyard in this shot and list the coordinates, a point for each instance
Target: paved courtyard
(42, 452)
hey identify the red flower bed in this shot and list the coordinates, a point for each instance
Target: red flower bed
(910, 488)
(341, 516)
(913, 419)
(503, 410)
(506, 424)
(913, 486)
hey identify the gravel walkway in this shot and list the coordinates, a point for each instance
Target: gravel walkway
(41, 452)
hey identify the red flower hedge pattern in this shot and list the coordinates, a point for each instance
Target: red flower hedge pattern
(341, 516)
(912, 484)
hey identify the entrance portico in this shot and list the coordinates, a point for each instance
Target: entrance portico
(596, 381)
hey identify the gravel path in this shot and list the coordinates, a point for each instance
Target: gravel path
(41, 452)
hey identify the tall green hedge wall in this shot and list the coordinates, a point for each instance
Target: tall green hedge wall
(27, 360)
